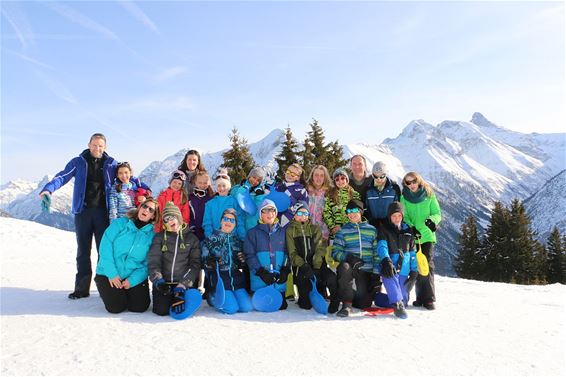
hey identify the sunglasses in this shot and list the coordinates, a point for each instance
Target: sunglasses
(408, 183)
(123, 164)
(291, 173)
(379, 176)
(268, 210)
(352, 210)
(302, 213)
(229, 220)
(168, 218)
(340, 178)
(150, 209)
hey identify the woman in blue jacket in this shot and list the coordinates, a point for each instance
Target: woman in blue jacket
(121, 273)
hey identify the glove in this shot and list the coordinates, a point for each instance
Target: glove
(387, 268)
(257, 190)
(240, 259)
(283, 274)
(374, 283)
(46, 203)
(267, 277)
(211, 261)
(160, 286)
(431, 225)
(411, 279)
(178, 305)
(415, 232)
(355, 262)
(306, 271)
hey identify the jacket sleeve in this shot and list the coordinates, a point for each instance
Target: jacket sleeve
(249, 250)
(154, 258)
(113, 204)
(328, 215)
(338, 247)
(434, 210)
(207, 219)
(193, 269)
(62, 177)
(106, 257)
(406, 214)
(296, 259)
(185, 211)
(141, 184)
(319, 248)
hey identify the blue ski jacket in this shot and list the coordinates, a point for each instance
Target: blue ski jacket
(377, 202)
(213, 212)
(78, 168)
(398, 245)
(225, 246)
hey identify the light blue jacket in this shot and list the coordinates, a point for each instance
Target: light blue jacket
(213, 212)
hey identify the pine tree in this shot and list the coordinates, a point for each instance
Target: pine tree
(334, 157)
(522, 246)
(468, 263)
(288, 154)
(494, 250)
(306, 156)
(316, 139)
(556, 262)
(317, 152)
(238, 159)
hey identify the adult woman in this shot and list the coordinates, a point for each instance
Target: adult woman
(423, 213)
(335, 206)
(121, 273)
(318, 184)
(190, 165)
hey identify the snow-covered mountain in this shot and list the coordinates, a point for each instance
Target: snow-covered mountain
(469, 164)
(14, 190)
(547, 207)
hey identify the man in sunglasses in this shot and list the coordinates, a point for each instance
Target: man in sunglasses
(381, 192)
(94, 171)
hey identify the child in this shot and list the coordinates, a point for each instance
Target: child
(294, 188)
(224, 247)
(173, 262)
(355, 248)
(216, 206)
(255, 187)
(306, 252)
(202, 193)
(335, 204)
(122, 196)
(141, 195)
(175, 193)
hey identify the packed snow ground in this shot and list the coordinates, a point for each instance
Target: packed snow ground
(478, 329)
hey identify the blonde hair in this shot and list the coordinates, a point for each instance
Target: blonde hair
(420, 181)
(204, 173)
(327, 181)
(133, 214)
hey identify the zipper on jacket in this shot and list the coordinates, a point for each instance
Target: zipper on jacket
(305, 245)
(174, 257)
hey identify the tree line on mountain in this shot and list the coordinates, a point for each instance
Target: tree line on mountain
(315, 151)
(508, 251)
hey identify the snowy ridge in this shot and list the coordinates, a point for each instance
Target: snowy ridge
(479, 329)
(14, 190)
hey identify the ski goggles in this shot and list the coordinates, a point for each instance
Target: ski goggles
(229, 220)
(302, 213)
(352, 210)
(168, 218)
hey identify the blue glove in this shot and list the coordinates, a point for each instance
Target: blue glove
(160, 286)
(178, 305)
(46, 203)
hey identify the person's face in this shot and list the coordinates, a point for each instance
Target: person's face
(201, 182)
(176, 184)
(357, 165)
(228, 223)
(97, 147)
(268, 215)
(222, 189)
(124, 174)
(254, 181)
(411, 183)
(192, 162)
(292, 174)
(341, 181)
(318, 178)
(396, 218)
(354, 215)
(379, 178)
(302, 215)
(171, 223)
(147, 212)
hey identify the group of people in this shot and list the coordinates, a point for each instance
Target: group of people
(350, 236)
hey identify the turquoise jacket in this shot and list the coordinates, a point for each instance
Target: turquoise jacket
(123, 251)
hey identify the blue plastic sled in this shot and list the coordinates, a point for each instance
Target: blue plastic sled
(318, 302)
(230, 305)
(193, 299)
(281, 200)
(220, 292)
(246, 203)
(267, 299)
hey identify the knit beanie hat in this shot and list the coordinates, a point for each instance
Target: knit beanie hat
(222, 177)
(355, 203)
(300, 204)
(257, 172)
(266, 203)
(379, 167)
(341, 171)
(394, 208)
(172, 210)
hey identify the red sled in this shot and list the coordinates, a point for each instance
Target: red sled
(374, 311)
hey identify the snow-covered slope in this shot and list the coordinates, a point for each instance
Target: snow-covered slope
(478, 329)
(547, 207)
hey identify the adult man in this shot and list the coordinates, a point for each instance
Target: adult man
(380, 194)
(94, 172)
(358, 179)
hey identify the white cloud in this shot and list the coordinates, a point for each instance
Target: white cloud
(78, 18)
(19, 23)
(137, 13)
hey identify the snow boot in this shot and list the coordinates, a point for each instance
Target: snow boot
(76, 295)
(333, 307)
(399, 310)
(345, 311)
(429, 305)
(417, 303)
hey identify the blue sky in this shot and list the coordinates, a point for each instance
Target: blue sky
(157, 77)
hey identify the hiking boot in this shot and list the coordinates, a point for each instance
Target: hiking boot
(333, 307)
(429, 305)
(76, 295)
(345, 311)
(399, 310)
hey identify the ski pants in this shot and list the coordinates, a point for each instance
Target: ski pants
(362, 296)
(326, 279)
(161, 301)
(424, 286)
(135, 299)
(90, 222)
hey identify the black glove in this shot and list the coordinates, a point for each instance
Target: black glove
(161, 286)
(374, 283)
(211, 261)
(240, 259)
(283, 274)
(306, 271)
(387, 268)
(354, 262)
(257, 190)
(267, 277)
(431, 225)
(415, 232)
(178, 304)
(410, 282)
